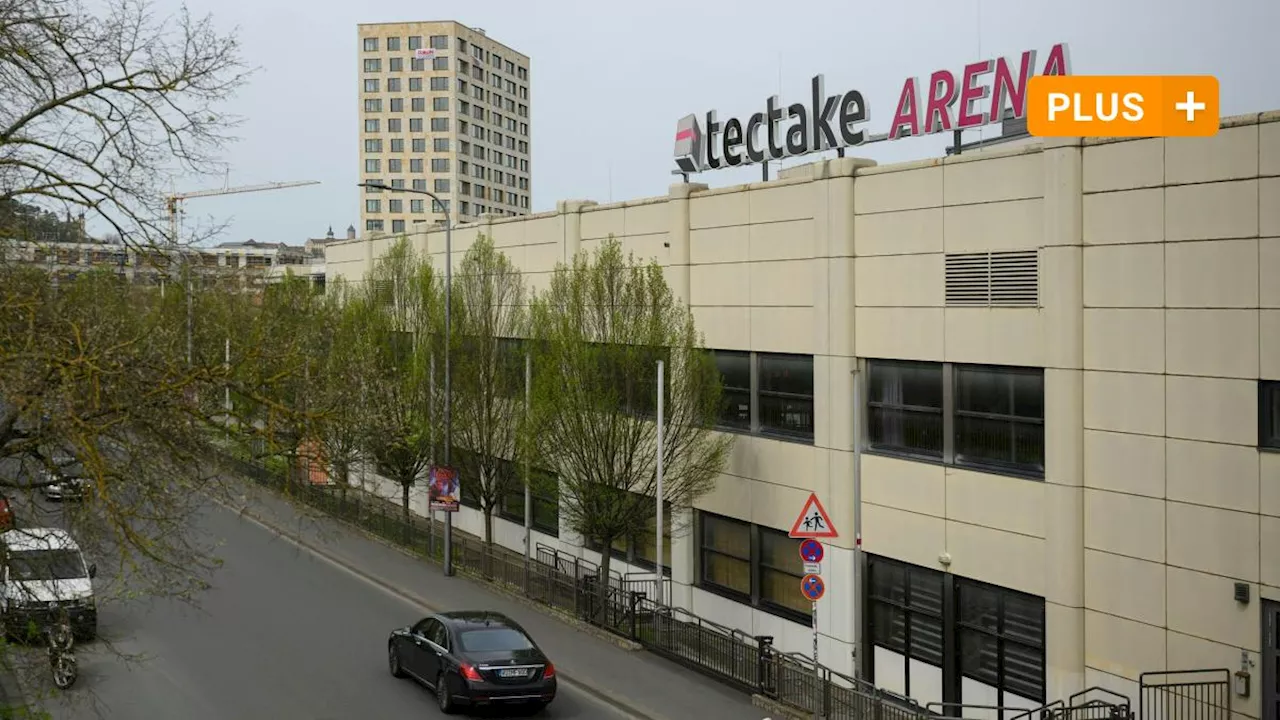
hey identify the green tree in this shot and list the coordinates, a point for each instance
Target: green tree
(599, 330)
(339, 393)
(490, 315)
(401, 310)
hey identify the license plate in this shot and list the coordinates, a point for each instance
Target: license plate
(510, 673)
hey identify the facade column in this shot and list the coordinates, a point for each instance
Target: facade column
(1062, 305)
(571, 215)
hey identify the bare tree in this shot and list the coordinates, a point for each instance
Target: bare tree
(103, 110)
(490, 317)
(598, 331)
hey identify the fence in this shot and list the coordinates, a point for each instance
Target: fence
(1185, 695)
(751, 663)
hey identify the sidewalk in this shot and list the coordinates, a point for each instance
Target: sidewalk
(641, 682)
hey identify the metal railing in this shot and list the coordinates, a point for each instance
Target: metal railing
(751, 663)
(1185, 695)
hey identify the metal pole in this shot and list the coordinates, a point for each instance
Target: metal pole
(431, 514)
(859, 664)
(528, 476)
(817, 669)
(657, 593)
(448, 377)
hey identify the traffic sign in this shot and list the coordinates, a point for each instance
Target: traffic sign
(811, 551)
(812, 587)
(812, 569)
(814, 522)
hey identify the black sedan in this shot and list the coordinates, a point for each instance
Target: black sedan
(473, 658)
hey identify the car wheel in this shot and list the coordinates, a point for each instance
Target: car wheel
(444, 698)
(393, 662)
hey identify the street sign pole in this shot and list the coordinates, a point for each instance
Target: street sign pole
(817, 669)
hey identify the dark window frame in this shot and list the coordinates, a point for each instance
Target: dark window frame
(756, 565)
(629, 552)
(954, 419)
(757, 425)
(956, 627)
(1269, 415)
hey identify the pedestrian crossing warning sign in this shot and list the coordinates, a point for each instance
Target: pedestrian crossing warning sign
(814, 522)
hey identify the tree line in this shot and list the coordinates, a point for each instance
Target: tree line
(563, 380)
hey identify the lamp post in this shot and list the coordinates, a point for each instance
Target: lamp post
(448, 375)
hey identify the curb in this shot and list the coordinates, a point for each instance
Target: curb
(778, 710)
(602, 695)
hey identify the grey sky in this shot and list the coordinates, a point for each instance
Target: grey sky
(609, 79)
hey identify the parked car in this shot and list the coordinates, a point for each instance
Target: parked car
(66, 482)
(474, 659)
(44, 573)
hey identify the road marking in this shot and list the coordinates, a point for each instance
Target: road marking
(412, 599)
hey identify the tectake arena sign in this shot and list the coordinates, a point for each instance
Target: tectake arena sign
(979, 95)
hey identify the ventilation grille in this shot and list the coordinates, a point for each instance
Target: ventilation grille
(994, 279)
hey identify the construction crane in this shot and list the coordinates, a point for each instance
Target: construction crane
(173, 203)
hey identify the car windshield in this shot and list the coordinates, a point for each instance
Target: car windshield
(46, 565)
(493, 640)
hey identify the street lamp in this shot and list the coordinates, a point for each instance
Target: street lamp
(448, 375)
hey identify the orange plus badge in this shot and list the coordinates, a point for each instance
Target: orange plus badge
(1122, 106)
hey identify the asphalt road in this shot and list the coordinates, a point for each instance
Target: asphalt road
(280, 634)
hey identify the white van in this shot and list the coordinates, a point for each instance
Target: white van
(44, 573)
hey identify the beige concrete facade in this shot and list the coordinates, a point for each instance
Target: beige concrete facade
(454, 122)
(1153, 312)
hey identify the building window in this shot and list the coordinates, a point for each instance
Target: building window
(439, 124)
(464, 207)
(393, 125)
(544, 489)
(393, 44)
(373, 205)
(373, 105)
(522, 73)
(1000, 642)
(371, 125)
(462, 45)
(524, 166)
(735, 393)
(415, 125)
(418, 104)
(373, 225)
(395, 64)
(419, 145)
(415, 207)
(419, 184)
(397, 145)
(905, 617)
(395, 205)
(397, 226)
(439, 83)
(442, 185)
(1269, 414)
(439, 164)
(440, 104)
(786, 395)
(397, 105)
(397, 183)
(440, 42)
(904, 407)
(394, 165)
(371, 44)
(415, 84)
(417, 64)
(440, 62)
(981, 416)
(441, 144)
(393, 84)
(372, 65)
(373, 186)
(751, 564)
(371, 85)
(373, 145)
(372, 165)
(415, 165)
(415, 42)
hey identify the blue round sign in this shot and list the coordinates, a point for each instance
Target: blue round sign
(812, 587)
(811, 551)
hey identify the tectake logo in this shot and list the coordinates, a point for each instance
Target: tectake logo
(826, 123)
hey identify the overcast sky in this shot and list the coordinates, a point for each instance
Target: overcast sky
(610, 79)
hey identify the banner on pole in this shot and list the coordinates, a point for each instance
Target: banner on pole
(444, 488)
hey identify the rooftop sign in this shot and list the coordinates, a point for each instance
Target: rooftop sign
(828, 122)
